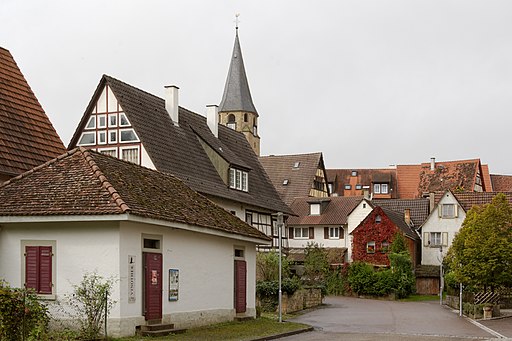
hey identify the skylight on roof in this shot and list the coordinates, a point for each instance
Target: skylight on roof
(285, 182)
(296, 164)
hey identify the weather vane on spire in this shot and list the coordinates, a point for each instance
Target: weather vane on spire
(237, 21)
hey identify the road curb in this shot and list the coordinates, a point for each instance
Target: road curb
(278, 336)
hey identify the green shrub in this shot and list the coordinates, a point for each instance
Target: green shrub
(267, 265)
(22, 316)
(337, 281)
(361, 277)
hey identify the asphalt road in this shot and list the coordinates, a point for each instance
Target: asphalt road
(347, 318)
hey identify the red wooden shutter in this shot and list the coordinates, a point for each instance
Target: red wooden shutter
(311, 233)
(45, 270)
(326, 233)
(240, 286)
(31, 265)
(290, 232)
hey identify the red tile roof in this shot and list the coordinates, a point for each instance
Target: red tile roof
(416, 180)
(364, 177)
(335, 212)
(83, 182)
(501, 183)
(27, 137)
(468, 200)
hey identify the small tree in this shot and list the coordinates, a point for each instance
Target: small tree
(398, 244)
(91, 302)
(316, 264)
(267, 265)
(22, 316)
(480, 254)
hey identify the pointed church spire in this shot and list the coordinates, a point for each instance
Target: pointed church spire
(237, 96)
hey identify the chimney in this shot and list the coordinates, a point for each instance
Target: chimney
(432, 163)
(212, 118)
(366, 192)
(431, 200)
(171, 102)
(407, 216)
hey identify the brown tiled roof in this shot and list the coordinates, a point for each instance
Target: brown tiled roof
(27, 137)
(300, 179)
(364, 177)
(398, 219)
(335, 212)
(501, 183)
(177, 150)
(419, 208)
(468, 200)
(415, 180)
(486, 179)
(83, 182)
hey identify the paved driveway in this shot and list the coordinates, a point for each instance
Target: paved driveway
(347, 318)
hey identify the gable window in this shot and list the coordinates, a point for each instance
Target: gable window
(108, 151)
(102, 137)
(359, 186)
(87, 139)
(38, 266)
(380, 188)
(231, 122)
(123, 120)
(238, 179)
(448, 211)
(130, 154)
(127, 135)
(347, 187)
(246, 118)
(112, 136)
(370, 247)
(354, 173)
(314, 209)
(112, 120)
(378, 219)
(301, 232)
(92, 123)
(102, 121)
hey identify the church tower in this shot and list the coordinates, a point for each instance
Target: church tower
(236, 109)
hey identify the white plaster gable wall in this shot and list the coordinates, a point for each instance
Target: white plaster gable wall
(73, 252)
(354, 219)
(319, 238)
(432, 255)
(145, 159)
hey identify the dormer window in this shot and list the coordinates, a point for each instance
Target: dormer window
(380, 188)
(354, 173)
(314, 209)
(238, 179)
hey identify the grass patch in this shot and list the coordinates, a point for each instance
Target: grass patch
(246, 330)
(420, 298)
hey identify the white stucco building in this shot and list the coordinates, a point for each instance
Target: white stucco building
(176, 257)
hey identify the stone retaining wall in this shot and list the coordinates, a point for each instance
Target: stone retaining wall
(302, 299)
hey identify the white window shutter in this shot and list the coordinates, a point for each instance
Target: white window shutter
(445, 238)
(439, 211)
(426, 239)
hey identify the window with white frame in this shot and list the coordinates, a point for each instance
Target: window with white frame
(130, 154)
(91, 124)
(102, 137)
(380, 189)
(102, 121)
(238, 179)
(112, 136)
(87, 139)
(448, 211)
(334, 233)
(435, 239)
(301, 232)
(108, 151)
(112, 120)
(123, 120)
(314, 209)
(128, 135)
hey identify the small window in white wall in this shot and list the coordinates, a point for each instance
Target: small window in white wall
(128, 135)
(301, 232)
(334, 233)
(108, 151)
(112, 136)
(130, 154)
(448, 211)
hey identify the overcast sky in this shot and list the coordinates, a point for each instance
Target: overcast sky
(368, 83)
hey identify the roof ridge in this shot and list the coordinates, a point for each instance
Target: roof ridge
(35, 169)
(123, 206)
(301, 154)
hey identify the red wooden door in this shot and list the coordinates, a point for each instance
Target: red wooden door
(153, 286)
(240, 286)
